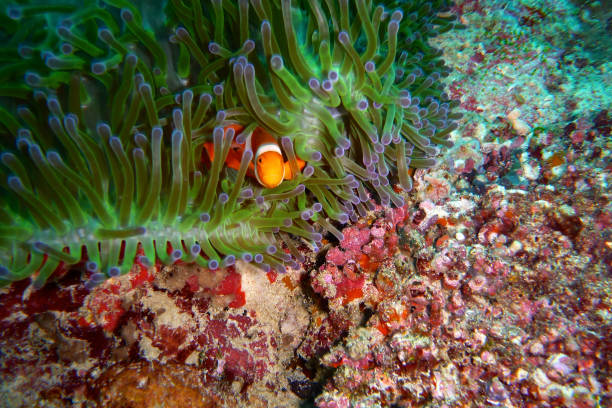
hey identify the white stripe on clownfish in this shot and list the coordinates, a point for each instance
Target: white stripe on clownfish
(269, 166)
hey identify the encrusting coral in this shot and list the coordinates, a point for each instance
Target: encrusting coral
(105, 108)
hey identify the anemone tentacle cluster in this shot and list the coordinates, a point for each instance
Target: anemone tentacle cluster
(105, 107)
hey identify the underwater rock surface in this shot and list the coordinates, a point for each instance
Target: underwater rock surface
(489, 286)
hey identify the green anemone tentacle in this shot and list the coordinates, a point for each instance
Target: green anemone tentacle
(106, 108)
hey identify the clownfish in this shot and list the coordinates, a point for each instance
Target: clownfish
(268, 166)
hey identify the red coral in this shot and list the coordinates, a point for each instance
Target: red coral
(169, 340)
(231, 285)
(320, 337)
(350, 289)
(141, 276)
(105, 306)
(477, 57)
(224, 360)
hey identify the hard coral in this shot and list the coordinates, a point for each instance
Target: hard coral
(348, 272)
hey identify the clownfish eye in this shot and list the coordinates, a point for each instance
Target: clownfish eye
(260, 160)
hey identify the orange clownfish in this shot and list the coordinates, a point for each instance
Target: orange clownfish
(268, 167)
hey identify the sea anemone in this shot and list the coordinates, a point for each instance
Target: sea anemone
(105, 107)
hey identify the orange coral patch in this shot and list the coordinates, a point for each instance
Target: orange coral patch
(289, 283)
(442, 240)
(443, 222)
(367, 264)
(383, 328)
(557, 159)
(352, 294)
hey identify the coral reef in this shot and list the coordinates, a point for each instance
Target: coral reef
(105, 111)
(506, 311)
(489, 287)
(178, 334)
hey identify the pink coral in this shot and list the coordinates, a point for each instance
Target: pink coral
(355, 238)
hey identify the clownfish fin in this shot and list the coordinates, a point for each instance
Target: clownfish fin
(232, 163)
(234, 156)
(237, 128)
(288, 174)
(208, 154)
(251, 170)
